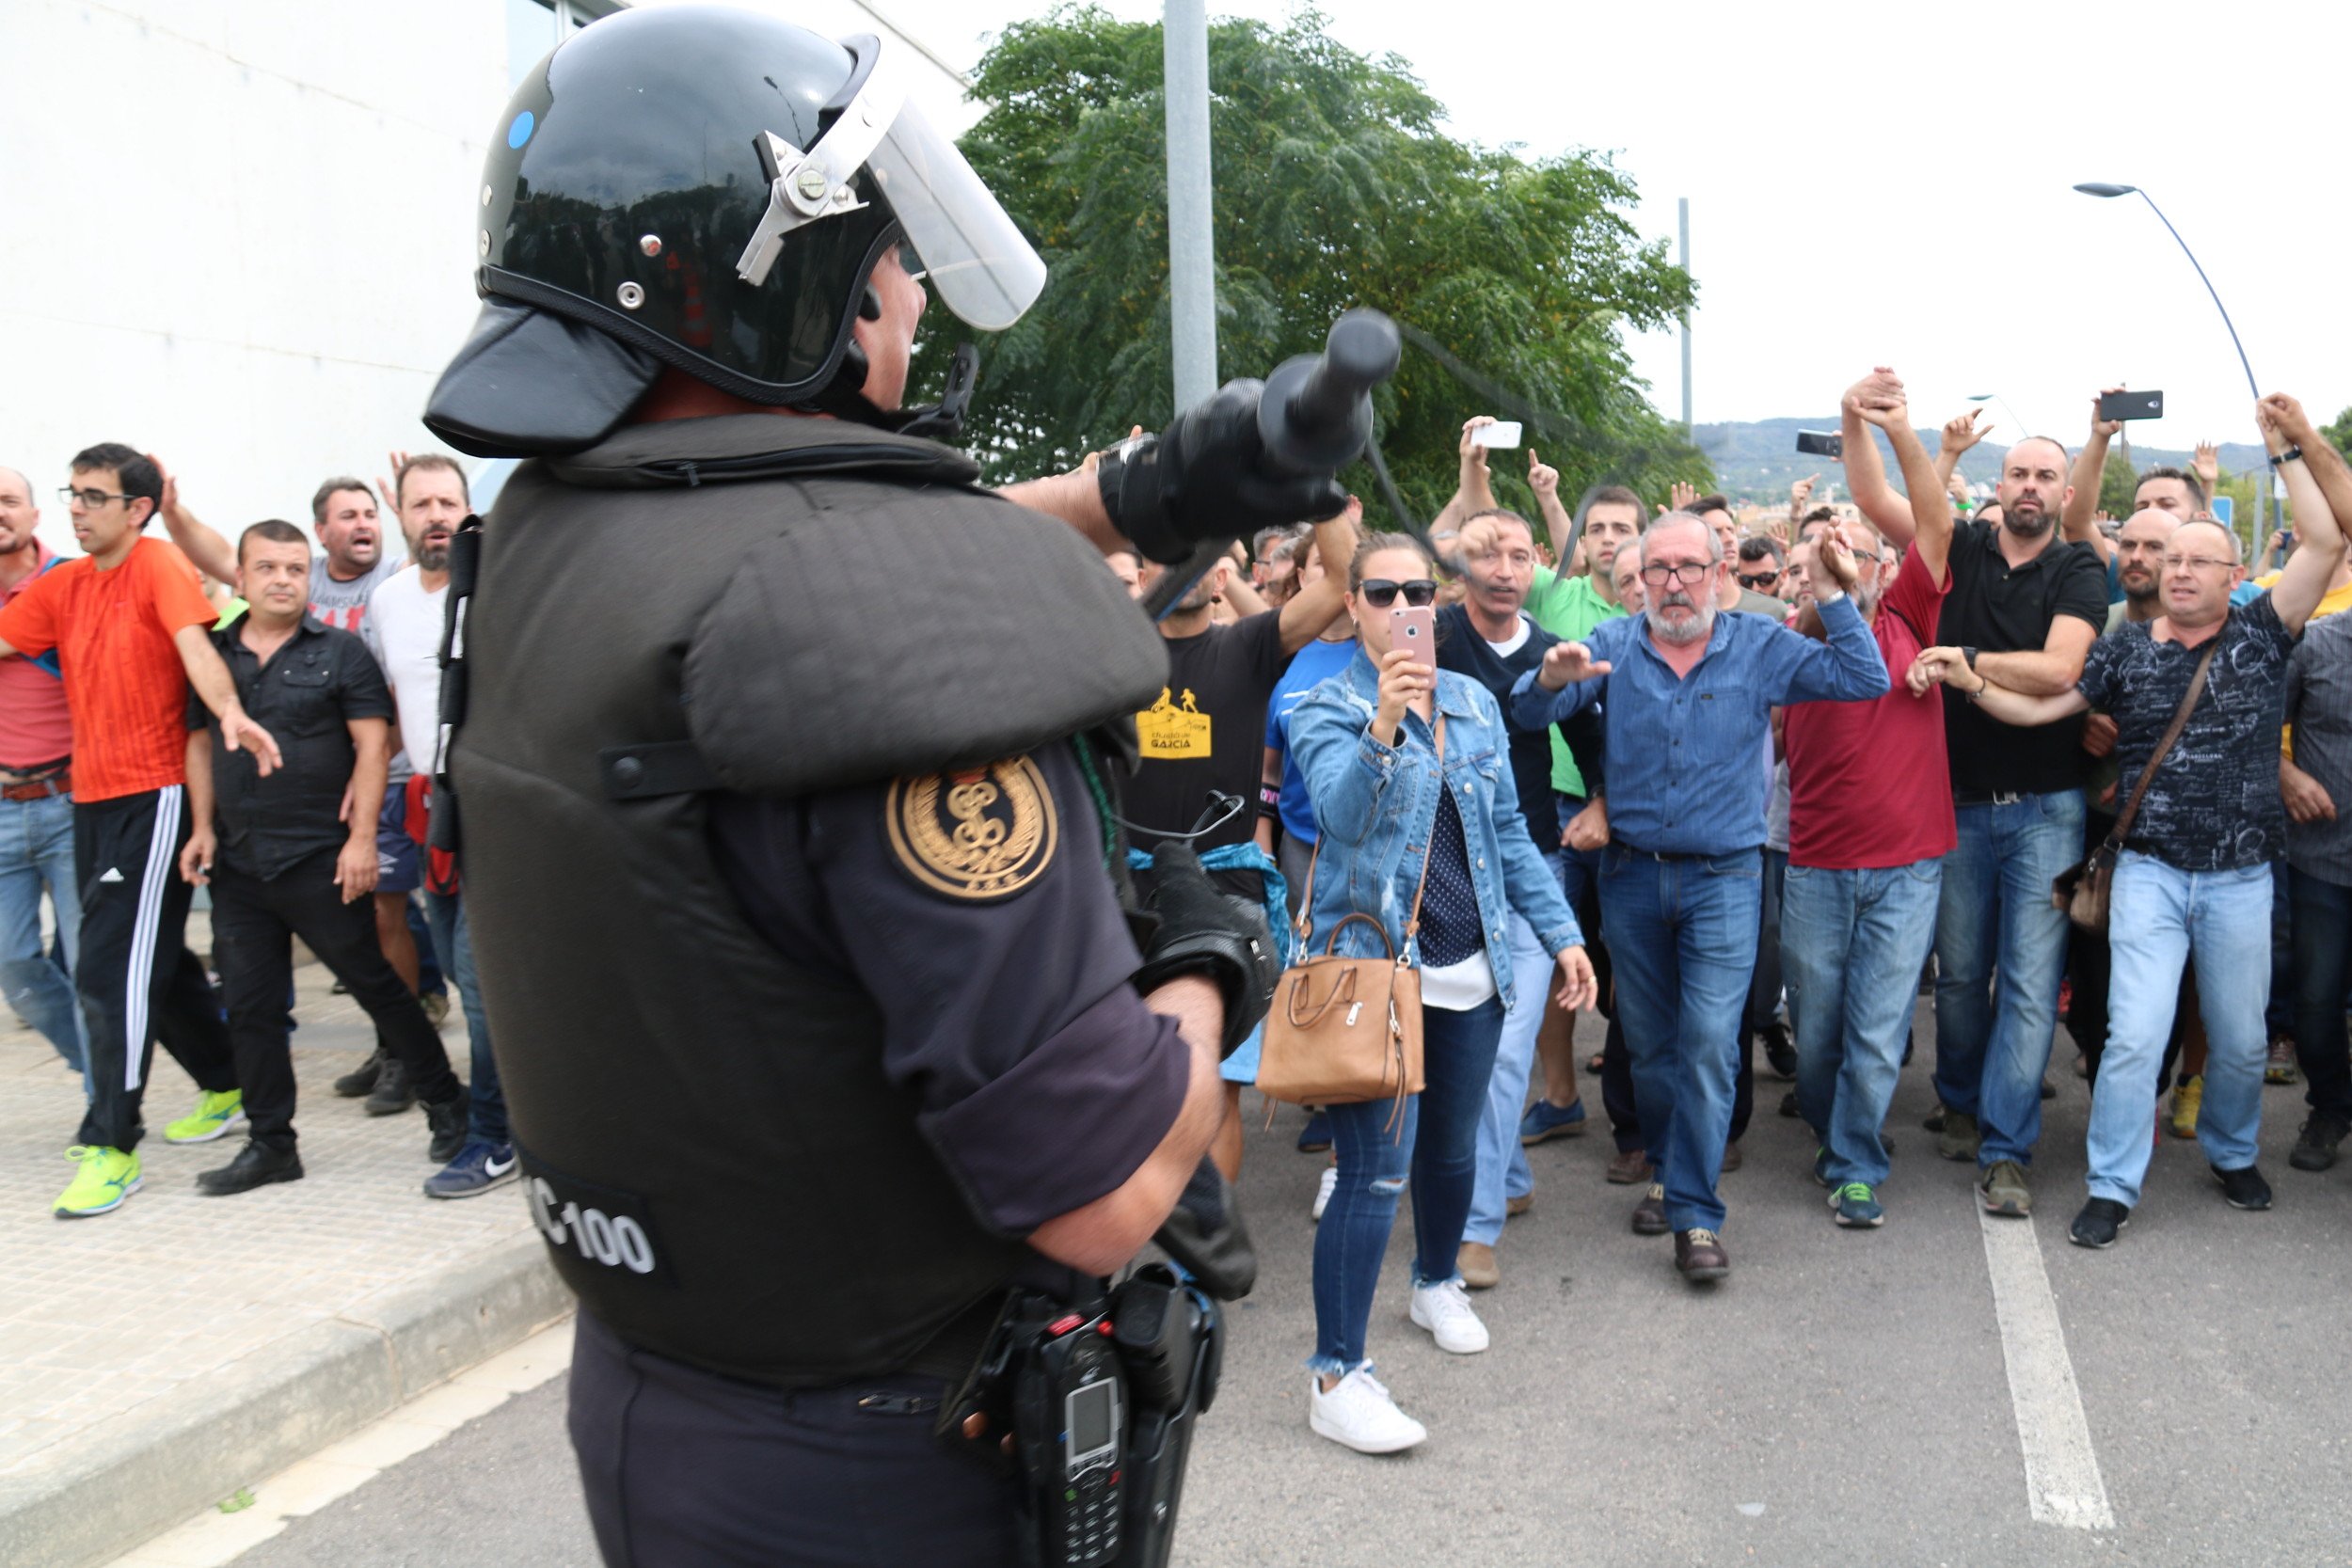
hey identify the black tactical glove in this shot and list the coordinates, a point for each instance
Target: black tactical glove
(1207, 477)
(1209, 933)
(1205, 1235)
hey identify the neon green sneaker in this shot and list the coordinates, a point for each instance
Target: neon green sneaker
(214, 1114)
(106, 1178)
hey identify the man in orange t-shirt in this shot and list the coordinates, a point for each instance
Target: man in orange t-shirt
(129, 623)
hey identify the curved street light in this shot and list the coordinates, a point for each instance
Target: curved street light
(2024, 428)
(2102, 189)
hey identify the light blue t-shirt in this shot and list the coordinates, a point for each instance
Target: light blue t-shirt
(1310, 667)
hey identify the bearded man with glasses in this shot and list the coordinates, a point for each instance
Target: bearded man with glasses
(1686, 695)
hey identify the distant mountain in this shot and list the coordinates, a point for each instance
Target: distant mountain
(1759, 460)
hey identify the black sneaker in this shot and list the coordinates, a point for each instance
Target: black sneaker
(2244, 1189)
(1779, 1054)
(361, 1079)
(2315, 1146)
(2102, 1220)
(446, 1122)
(257, 1164)
(393, 1094)
(1789, 1103)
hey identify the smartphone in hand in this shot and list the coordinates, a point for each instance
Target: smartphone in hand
(1502, 433)
(1415, 630)
(2132, 405)
(1822, 443)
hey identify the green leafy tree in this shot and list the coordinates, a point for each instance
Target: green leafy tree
(2340, 433)
(2119, 481)
(1335, 185)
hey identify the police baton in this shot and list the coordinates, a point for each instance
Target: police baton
(1314, 418)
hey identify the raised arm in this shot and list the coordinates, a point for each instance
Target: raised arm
(2079, 519)
(1474, 490)
(201, 542)
(2287, 428)
(1961, 432)
(1559, 522)
(1865, 474)
(1314, 607)
(1929, 503)
(1846, 668)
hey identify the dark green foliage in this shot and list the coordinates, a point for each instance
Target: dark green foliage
(1335, 185)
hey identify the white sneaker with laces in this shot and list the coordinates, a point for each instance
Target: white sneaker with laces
(1359, 1413)
(1323, 1190)
(1445, 1312)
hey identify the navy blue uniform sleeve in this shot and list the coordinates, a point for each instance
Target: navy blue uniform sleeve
(1003, 978)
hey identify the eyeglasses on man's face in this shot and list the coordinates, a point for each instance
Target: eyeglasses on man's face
(2198, 563)
(1759, 579)
(1380, 592)
(1687, 573)
(92, 499)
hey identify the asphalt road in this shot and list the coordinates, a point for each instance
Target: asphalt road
(1845, 1397)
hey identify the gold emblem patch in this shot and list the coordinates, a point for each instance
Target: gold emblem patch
(981, 832)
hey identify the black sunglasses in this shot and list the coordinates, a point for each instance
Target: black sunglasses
(1759, 579)
(1380, 592)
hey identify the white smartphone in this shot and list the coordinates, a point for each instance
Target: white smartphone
(1502, 433)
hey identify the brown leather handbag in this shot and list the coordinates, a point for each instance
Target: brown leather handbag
(1345, 1031)
(2083, 891)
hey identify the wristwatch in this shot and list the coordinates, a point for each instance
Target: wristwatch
(1970, 655)
(2293, 454)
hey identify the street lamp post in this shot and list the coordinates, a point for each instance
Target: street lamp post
(2024, 428)
(2099, 188)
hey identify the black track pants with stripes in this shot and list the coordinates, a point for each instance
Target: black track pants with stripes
(137, 980)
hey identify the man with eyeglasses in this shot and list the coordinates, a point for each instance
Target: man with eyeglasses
(1689, 697)
(1205, 737)
(131, 627)
(2193, 881)
(1761, 566)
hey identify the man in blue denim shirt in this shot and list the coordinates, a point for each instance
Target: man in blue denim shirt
(1689, 706)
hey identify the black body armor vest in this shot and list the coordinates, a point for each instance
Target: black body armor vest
(708, 1134)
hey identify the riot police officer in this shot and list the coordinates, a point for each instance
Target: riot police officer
(790, 846)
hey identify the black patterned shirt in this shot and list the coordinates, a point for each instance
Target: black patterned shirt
(2214, 804)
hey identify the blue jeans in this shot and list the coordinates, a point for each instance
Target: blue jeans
(1851, 945)
(1502, 1169)
(37, 851)
(453, 942)
(1993, 1036)
(1683, 936)
(1435, 1143)
(2159, 919)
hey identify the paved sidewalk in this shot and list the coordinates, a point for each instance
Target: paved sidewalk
(152, 1358)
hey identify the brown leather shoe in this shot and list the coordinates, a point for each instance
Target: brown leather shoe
(1628, 1167)
(1514, 1207)
(1476, 1264)
(1699, 1255)
(1649, 1215)
(1732, 1157)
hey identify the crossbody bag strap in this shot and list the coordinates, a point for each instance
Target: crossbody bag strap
(1412, 926)
(2171, 733)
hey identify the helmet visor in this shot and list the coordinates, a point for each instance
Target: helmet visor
(984, 271)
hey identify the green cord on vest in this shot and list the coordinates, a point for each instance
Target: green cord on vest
(1101, 799)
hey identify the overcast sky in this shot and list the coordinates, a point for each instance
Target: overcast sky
(1890, 183)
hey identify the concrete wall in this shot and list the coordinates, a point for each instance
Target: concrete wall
(237, 234)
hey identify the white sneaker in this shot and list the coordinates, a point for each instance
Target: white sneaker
(1444, 1310)
(1359, 1413)
(1323, 1190)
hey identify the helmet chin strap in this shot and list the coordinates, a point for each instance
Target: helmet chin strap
(844, 398)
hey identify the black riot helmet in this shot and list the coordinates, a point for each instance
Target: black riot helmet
(707, 188)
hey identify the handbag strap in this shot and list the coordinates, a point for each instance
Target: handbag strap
(1306, 893)
(2171, 733)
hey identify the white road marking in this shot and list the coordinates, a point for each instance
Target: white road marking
(2062, 1482)
(213, 1538)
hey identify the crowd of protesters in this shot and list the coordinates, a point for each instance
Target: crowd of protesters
(1720, 786)
(1802, 769)
(271, 741)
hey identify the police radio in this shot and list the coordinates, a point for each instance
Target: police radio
(1070, 1421)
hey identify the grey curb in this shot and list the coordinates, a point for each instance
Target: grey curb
(101, 1494)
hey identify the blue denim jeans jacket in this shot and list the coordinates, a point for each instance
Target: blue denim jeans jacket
(1375, 806)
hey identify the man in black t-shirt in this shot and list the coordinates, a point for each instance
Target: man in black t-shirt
(1206, 733)
(2023, 607)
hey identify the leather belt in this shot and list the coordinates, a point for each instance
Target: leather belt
(39, 789)
(1988, 796)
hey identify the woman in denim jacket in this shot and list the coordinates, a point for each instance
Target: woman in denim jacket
(1366, 743)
